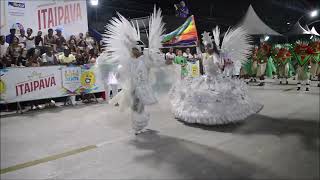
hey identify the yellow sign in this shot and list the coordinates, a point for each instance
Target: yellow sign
(2, 87)
(194, 69)
(87, 79)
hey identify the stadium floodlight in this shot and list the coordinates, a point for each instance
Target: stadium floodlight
(314, 13)
(94, 2)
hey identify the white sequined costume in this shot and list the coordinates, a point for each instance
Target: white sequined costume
(122, 39)
(212, 99)
(141, 92)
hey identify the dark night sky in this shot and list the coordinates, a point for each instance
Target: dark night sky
(275, 13)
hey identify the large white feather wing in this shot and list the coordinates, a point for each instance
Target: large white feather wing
(236, 45)
(119, 39)
(156, 30)
(216, 36)
(159, 74)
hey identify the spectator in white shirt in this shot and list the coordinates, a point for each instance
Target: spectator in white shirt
(170, 56)
(29, 39)
(188, 54)
(3, 50)
(49, 58)
(3, 46)
(22, 38)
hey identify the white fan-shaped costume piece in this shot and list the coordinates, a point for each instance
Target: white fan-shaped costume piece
(212, 99)
(121, 37)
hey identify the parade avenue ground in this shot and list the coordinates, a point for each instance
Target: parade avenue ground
(95, 141)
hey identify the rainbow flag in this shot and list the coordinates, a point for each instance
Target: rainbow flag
(185, 35)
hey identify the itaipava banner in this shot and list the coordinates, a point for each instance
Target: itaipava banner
(68, 15)
(32, 83)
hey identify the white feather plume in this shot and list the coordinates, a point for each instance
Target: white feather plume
(156, 30)
(119, 38)
(236, 44)
(216, 36)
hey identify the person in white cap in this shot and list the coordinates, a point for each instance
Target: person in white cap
(113, 83)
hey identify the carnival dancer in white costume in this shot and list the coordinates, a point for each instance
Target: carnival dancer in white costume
(113, 83)
(212, 99)
(122, 38)
(227, 66)
(209, 56)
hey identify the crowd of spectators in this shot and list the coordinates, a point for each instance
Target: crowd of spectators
(23, 49)
(187, 54)
(27, 50)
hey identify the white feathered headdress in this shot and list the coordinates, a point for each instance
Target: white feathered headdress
(206, 39)
(121, 36)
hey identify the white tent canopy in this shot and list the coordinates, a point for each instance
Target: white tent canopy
(297, 29)
(313, 31)
(306, 28)
(254, 25)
